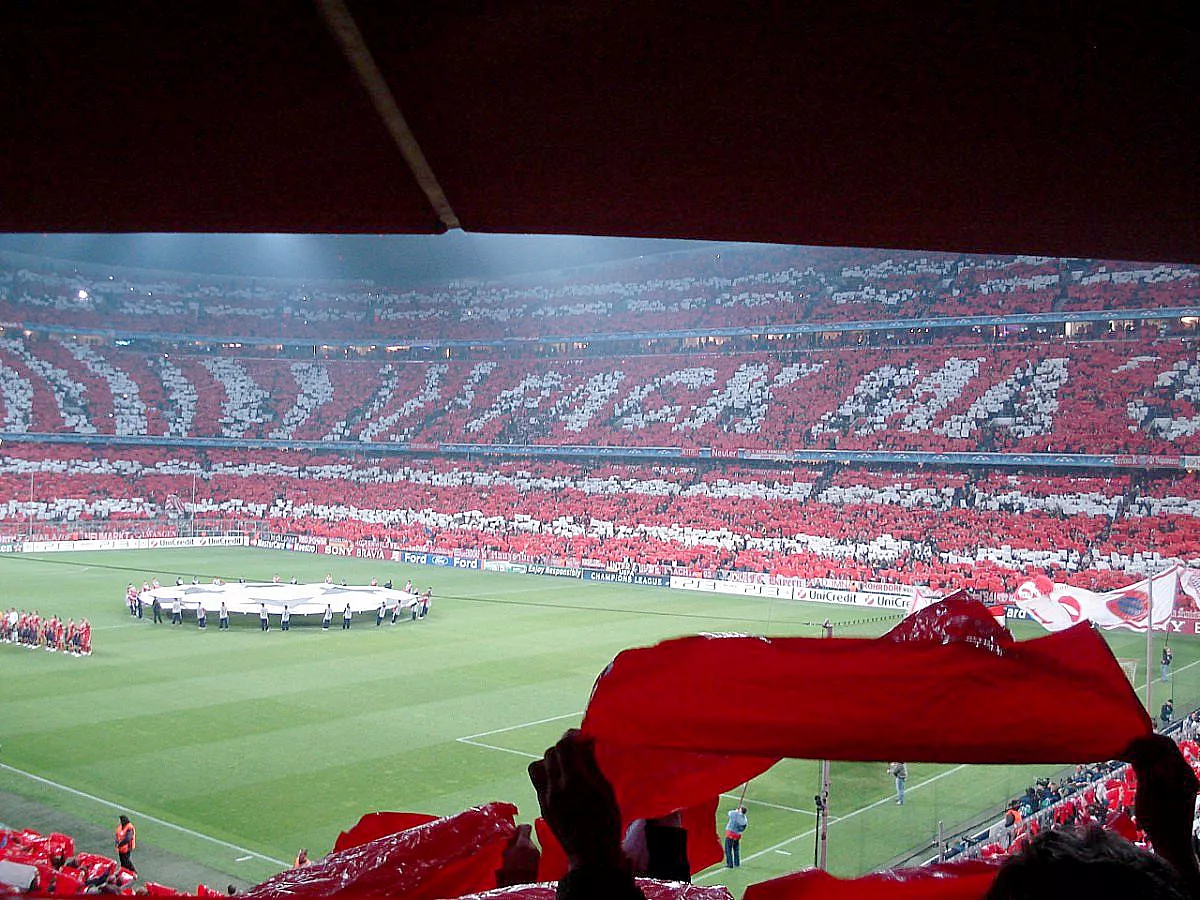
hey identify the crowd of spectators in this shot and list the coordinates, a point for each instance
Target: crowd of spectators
(735, 287)
(64, 871)
(942, 529)
(1100, 397)
(30, 630)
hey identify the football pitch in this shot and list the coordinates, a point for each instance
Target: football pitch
(230, 750)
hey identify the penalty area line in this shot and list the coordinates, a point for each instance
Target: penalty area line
(141, 815)
(470, 737)
(521, 753)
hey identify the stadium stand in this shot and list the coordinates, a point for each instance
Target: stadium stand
(1101, 397)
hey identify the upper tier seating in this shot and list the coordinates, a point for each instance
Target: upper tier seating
(742, 286)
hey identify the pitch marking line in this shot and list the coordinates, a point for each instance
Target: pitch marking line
(142, 815)
(850, 815)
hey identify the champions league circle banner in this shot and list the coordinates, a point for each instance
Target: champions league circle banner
(300, 599)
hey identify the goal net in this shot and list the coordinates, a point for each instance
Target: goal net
(1129, 667)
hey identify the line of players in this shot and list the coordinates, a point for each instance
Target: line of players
(30, 630)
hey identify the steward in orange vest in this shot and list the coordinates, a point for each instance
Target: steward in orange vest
(126, 843)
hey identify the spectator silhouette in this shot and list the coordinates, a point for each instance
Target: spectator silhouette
(580, 807)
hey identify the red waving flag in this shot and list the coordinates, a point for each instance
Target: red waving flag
(682, 721)
(443, 858)
(375, 825)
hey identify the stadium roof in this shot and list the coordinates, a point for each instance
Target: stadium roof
(950, 126)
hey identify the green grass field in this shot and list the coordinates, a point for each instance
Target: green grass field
(233, 749)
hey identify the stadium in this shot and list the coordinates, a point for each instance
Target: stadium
(299, 543)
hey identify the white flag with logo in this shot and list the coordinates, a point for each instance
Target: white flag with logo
(1059, 606)
(1189, 587)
